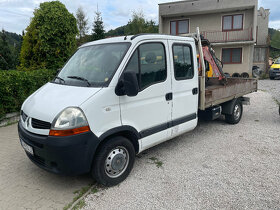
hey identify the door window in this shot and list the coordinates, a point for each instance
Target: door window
(149, 63)
(183, 65)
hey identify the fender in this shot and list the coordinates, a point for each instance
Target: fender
(119, 129)
(227, 108)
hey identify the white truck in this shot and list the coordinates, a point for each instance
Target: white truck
(117, 97)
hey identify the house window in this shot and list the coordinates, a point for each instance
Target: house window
(232, 22)
(232, 55)
(179, 27)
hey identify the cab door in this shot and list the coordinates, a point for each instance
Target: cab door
(150, 111)
(184, 86)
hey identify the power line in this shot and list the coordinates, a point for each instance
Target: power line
(15, 13)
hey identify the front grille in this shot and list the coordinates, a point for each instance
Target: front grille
(276, 69)
(24, 116)
(39, 124)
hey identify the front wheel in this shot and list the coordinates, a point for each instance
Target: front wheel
(236, 114)
(113, 161)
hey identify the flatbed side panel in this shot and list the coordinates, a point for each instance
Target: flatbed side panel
(217, 93)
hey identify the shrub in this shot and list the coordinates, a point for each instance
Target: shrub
(16, 86)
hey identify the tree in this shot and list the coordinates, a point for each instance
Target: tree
(82, 22)
(98, 31)
(6, 57)
(139, 24)
(116, 32)
(50, 39)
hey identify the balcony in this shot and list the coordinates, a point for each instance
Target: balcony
(229, 36)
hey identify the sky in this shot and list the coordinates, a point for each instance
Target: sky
(15, 15)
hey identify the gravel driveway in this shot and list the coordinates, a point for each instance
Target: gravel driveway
(216, 166)
(271, 86)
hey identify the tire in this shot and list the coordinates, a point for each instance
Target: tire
(235, 75)
(227, 74)
(245, 75)
(236, 115)
(113, 161)
(272, 78)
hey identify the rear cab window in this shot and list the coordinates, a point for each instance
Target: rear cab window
(183, 61)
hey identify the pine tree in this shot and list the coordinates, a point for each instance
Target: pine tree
(98, 27)
(6, 57)
(82, 22)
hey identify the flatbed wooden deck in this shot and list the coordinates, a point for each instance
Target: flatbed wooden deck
(218, 93)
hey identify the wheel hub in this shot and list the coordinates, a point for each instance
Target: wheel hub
(116, 162)
(236, 112)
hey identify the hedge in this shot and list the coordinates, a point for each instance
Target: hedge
(16, 86)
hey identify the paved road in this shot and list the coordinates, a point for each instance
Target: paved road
(25, 186)
(217, 166)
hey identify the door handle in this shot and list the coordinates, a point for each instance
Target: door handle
(195, 91)
(168, 96)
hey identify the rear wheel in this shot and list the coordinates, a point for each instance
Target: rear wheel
(236, 115)
(113, 161)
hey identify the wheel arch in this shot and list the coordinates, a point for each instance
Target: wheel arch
(227, 108)
(126, 131)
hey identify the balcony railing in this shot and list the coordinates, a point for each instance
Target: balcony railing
(229, 36)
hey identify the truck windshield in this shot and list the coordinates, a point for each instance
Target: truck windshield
(93, 65)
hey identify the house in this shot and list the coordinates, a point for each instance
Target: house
(231, 26)
(261, 49)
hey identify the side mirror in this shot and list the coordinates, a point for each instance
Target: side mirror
(128, 85)
(131, 87)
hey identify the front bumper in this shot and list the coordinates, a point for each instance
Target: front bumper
(70, 155)
(274, 73)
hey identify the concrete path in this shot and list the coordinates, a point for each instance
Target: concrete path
(23, 185)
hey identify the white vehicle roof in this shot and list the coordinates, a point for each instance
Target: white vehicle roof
(137, 38)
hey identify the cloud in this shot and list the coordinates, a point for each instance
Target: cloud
(274, 6)
(15, 14)
(275, 24)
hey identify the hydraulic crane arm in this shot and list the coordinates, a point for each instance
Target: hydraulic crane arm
(210, 56)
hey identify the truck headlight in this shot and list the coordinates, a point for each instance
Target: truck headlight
(70, 121)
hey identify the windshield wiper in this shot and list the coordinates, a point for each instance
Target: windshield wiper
(79, 78)
(59, 78)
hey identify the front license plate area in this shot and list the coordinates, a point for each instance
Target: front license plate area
(26, 147)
